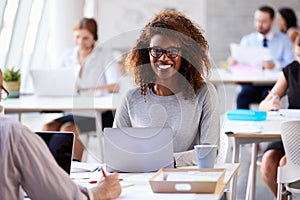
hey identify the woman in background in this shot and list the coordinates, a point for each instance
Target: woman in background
(287, 23)
(169, 62)
(94, 72)
(289, 83)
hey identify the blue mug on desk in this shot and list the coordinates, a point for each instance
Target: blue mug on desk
(206, 155)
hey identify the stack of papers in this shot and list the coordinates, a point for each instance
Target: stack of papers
(89, 175)
(250, 55)
(186, 180)
(194, 176)
(77, 167)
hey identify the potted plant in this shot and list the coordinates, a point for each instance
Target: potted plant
(12, 81)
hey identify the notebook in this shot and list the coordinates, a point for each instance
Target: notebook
(138, 149)
(60, 145)
(54, 82)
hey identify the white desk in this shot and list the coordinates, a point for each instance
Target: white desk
(141, 188)
(270, 131)
(89, 106)
(219, 75)
(76, 105)
(34, 103)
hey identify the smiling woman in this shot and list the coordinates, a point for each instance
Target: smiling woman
(169, 63)
(165, 63)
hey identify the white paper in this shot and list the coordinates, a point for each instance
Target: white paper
(242, 127)
(290, 113)
(77, 167)
(194, 176)
(250, 55)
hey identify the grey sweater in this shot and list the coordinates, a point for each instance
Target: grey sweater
(192, 121)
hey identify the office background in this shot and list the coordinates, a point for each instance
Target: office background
(35, 33)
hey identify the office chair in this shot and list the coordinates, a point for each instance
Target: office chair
(223, 147)
(289, 175)
(222, 154)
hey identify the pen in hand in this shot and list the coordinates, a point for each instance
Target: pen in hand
(275, 103)
(105, 175)
(103, 172)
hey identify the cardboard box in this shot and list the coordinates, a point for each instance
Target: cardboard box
(208, 180)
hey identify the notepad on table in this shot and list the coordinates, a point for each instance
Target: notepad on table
(194, 176)
(77, 167)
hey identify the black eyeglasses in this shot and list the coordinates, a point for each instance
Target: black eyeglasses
(157, 52)
(4, 93)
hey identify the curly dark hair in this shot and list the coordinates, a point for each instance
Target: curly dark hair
(195, 63)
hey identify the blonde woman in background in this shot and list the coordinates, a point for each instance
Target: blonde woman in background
(94, 73)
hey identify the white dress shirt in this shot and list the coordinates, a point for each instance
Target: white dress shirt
(100, 68)
(280, 45)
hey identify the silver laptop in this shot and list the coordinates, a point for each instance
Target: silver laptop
(138, 149)
(54, 82)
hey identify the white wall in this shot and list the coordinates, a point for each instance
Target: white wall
(117, 17)
(63, 15)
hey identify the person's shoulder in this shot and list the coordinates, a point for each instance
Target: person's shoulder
(71, 51)
(134, 92)
(282, 36)
(9, 122)
(293, 32)
(207, 85)
(102, 49)
(207, 88)
(105, 54)
(132, 96)
(293, 29)
(11, 126)
(250, 35)
(291, 69)
(292, 66)
(249, 39)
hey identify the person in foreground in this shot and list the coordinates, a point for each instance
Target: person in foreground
(26, 162)
(288, 82)
(169, 62)
(281, 50)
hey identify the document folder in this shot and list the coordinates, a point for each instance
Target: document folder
(246, 115)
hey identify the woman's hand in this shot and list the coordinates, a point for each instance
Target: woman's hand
(270, 103)
(108, 188)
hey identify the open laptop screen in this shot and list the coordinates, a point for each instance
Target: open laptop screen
(138, 149)
(60, 145)
(54, 82)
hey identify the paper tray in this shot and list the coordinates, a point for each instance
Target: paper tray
(160, 184)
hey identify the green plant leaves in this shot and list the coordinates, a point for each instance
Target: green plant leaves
(11, 74)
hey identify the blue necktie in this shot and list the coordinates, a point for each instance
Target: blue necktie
(265, 42)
